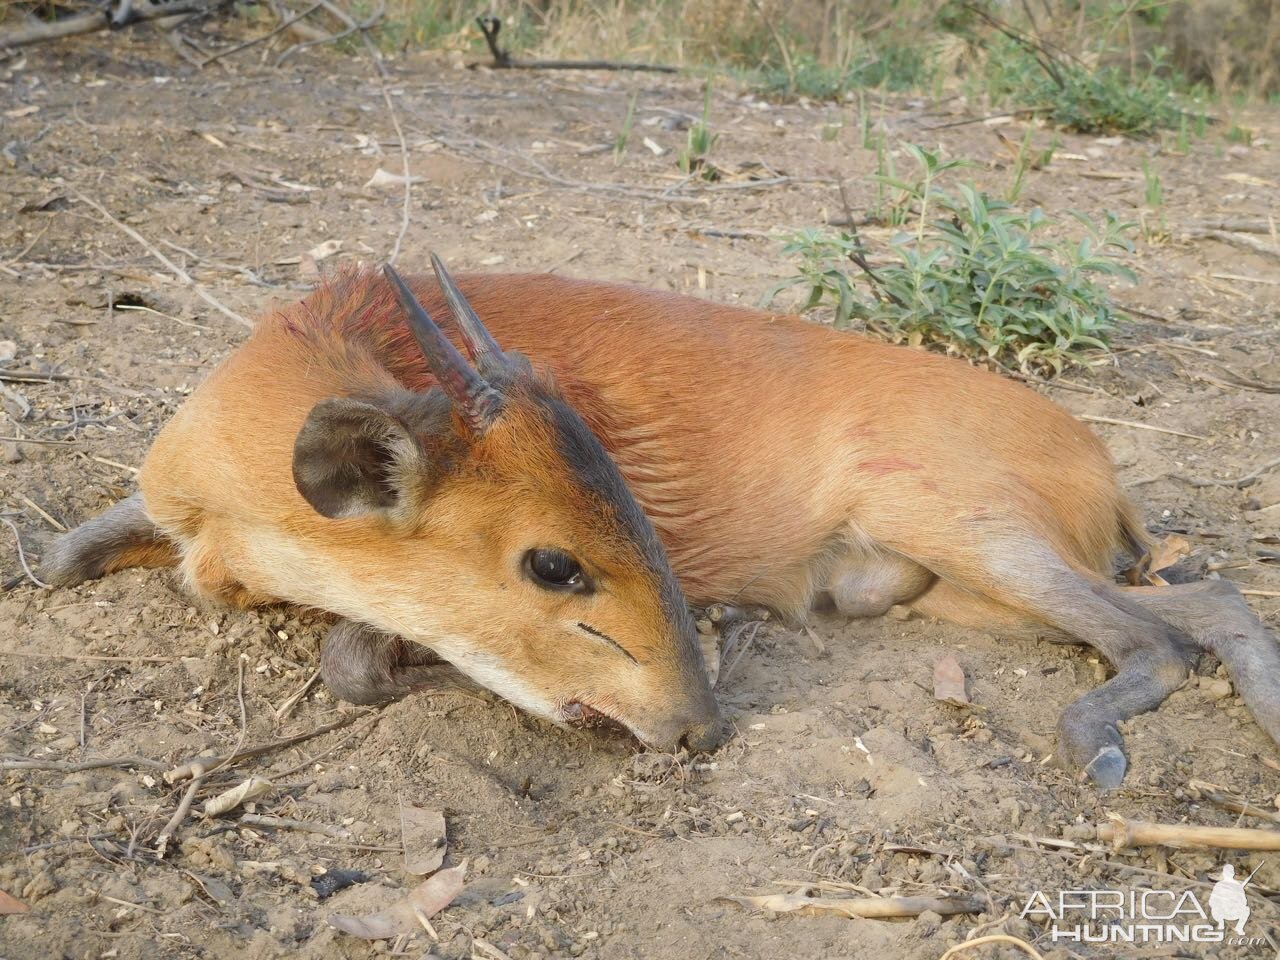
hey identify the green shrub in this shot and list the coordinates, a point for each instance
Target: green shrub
(693, 158)
(974, 275)
(1102, 100)
(886, 67)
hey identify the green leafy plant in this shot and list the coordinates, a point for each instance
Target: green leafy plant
(1023, 163)
(974, 275)
(624, 135)
(888, 67)
(693, 158)
(1103, 100)
(1184, 135)
(1153, 190)
(1239, 134)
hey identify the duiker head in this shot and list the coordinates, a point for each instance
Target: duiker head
(495, 529)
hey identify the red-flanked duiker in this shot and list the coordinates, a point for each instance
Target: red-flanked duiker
(539, 515)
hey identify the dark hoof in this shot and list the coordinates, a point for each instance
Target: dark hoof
(1107, 769)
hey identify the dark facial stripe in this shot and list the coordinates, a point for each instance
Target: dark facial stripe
(597, 472)
(609, 640)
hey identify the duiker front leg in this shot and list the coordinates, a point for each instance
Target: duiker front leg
(121, 537)
(363, 665)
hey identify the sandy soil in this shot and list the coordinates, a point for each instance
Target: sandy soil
(845, 769)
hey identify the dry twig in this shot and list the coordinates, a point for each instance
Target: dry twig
(1135, 833)
(968, 945)
(1238, 483)
(284, 25)
(139, 11)
(502, 60)
(184, 807)
(22, 556)
(1140, 426)
(187, 769)
(66, 766)
(152, 249)
(284, 823)
(1237, 239)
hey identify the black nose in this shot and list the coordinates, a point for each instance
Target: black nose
(705, 737)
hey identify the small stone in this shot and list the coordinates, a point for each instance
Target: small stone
(1010, 807)
(8, 350)
(200, 669)
(871, 878)
(9, 452)
(1218, 689)
(1080, 831)
(811, 645)
(927, 924)
(39, 886)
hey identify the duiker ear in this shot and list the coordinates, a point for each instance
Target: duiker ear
(354, 458)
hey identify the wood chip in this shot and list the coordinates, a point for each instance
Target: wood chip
(948, 681)
(422, 832)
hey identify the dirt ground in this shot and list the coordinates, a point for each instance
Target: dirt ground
(844, 769)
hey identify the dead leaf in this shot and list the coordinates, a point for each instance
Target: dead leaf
(10, 905)
(1168, 552)
(487, 949)
(948, 681)
(427, 898)
(1249, 179)
(384, 179)
(422, 832)
(1161, 556)
(51, 204)
(251, 789)
(324, 250)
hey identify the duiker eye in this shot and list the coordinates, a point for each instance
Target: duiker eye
(554, 569)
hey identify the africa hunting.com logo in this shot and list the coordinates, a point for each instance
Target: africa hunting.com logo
(1147, 916)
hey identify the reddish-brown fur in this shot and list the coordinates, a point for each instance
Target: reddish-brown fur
(721, 417)
(777, 460)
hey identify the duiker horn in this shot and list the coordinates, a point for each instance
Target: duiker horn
(475, 400)
(483, 349)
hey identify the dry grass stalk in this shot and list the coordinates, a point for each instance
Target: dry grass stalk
(968, 945)
(1136, 833)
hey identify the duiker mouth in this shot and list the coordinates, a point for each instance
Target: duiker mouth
(581, 716)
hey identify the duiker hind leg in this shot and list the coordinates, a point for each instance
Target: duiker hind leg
(1152, 658)
(1029, 580)
(362, 665)
(121, 537)
(1214, 615)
